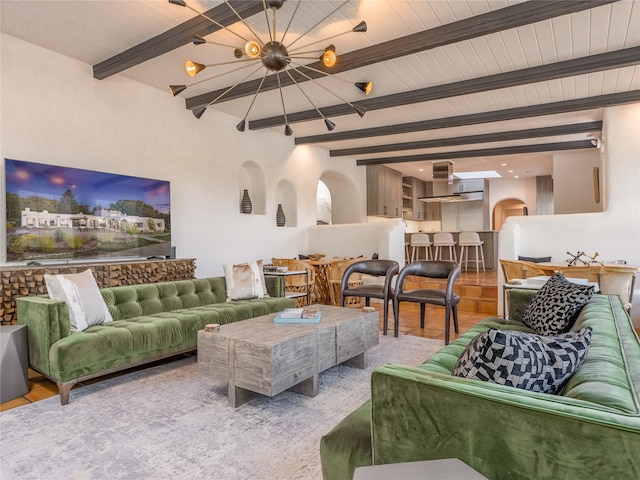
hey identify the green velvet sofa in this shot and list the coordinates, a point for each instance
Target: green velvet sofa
(150, 322)
(591, 430)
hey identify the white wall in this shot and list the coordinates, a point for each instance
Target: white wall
(521, 189)
(573, 189)
(58, 113)
(384, 237)
(615, 232)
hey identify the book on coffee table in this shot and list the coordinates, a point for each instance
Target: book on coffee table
(298, 315)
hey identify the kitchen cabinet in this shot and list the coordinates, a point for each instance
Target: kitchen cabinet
(471, 185)
(412, 189)
(384, 191)
(432, 211)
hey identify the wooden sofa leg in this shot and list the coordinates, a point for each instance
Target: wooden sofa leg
(65, 389)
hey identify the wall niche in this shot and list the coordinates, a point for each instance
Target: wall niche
(251, 178)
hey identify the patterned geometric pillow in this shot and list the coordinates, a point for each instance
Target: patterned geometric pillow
(524, 360)
(555, 307)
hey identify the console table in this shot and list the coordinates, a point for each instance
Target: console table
(14, 362)
(24, 281)
(293, 273)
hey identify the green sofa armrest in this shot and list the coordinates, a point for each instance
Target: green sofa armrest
(502, 432)
(275, 286)
(518, 300)
(47, 322)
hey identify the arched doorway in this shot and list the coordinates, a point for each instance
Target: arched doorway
(337, 201)
(323, 204)
(511, 207)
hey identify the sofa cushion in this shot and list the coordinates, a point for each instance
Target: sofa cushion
(534, 259)
(80, 291)
(555, 307)
(524, 360)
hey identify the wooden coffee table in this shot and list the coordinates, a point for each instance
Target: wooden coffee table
(260, 356)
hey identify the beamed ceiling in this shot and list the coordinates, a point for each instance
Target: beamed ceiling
(489, 84)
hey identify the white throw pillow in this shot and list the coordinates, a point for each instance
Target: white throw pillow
(245, 281)
(81, 292)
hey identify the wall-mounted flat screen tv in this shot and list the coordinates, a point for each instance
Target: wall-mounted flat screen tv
(61, 213)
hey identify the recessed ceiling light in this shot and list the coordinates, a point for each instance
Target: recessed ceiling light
(503, 164)
(516, 176)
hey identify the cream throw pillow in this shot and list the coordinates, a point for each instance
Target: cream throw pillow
(245, 281)
(81, 292)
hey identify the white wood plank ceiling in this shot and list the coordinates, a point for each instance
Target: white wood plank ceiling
(94, 31)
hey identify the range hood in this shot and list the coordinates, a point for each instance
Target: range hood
(444, 188)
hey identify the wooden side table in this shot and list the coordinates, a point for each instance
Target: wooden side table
(14, 362)
(445, 469)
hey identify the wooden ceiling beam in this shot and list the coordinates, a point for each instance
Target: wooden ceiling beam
(552, 71)
(476, 26)
(471, 139)
(481, 152)
(552, 108)
(176, 37)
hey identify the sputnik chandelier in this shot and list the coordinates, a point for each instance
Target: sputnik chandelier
(275, 57)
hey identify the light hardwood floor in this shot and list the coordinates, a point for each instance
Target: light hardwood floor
(479, 300)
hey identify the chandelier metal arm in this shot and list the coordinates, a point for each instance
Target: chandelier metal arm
(198, 40)
(287, 128)
(359, 110)
(284, 34)
(319, 22)
(273, 16)
(224, 93)
(241, 126)
(232, 62)
(245, 90)
(337, 77)
(209, 78)
(297, 55)
(243, 22)
(326, 39)
(329, 123)
(218, 24)
(266, 18)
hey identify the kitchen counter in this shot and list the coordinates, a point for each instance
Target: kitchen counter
(489, 237)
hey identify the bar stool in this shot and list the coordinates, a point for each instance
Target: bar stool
(419, 240)
(442, 240)
(467, 240)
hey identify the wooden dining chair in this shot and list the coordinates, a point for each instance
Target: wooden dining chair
(297, 283)
(335, 273)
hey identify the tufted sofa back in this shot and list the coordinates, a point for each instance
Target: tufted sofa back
(148, 299)
(608, 376)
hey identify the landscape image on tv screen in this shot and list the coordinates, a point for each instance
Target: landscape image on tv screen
(61, 213)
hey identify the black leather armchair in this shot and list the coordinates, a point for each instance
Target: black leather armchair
(378, 268)
(446, 297)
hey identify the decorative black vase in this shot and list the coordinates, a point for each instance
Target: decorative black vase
(245, 204)
(280, 218)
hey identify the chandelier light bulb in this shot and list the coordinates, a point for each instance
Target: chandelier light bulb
(252, 49)
(192, 68)
(366, 87)
(329, 57)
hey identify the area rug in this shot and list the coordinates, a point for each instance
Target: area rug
(170, 422)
